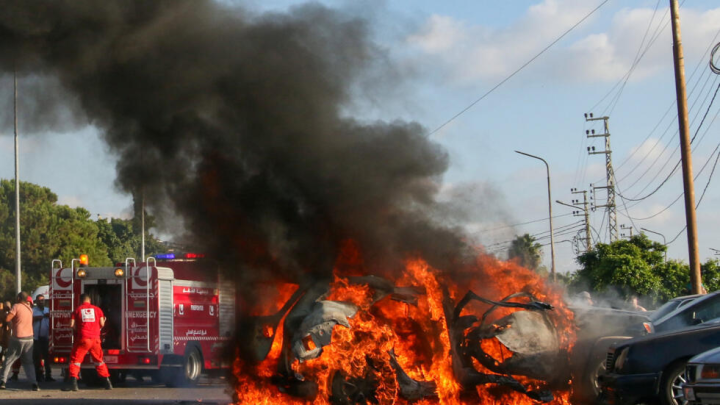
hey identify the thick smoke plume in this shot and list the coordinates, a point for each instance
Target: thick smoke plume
(234, 121)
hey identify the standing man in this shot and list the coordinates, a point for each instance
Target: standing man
(6, 332)
(87, 320)
(41, 334)
(21, 343)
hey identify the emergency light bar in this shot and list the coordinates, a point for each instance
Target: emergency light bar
(171, 256)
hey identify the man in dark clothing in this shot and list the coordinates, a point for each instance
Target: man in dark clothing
(41, 334)
(87, 320)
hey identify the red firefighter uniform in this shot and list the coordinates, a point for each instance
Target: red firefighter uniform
(87, 319)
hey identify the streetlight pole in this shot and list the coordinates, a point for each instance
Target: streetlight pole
(142, 226)
(663, 236)
(18, 274)
(552, 233)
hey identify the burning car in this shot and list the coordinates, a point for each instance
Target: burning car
(367, 339)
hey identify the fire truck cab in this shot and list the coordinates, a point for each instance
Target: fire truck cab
(168, 318)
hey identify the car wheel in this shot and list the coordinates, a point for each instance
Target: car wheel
(599, 370)
(673, 379)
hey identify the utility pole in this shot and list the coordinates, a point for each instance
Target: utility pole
(610, 185)
(585, 214)
(588, 236)
(688, 183)
(18, 274)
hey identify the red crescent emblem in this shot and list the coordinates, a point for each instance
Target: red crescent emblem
(59, 280)
(138, 279)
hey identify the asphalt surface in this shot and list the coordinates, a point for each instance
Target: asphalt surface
(208, 391)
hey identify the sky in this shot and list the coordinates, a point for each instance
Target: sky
(616, 63)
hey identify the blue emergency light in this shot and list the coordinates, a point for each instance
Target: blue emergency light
(165, 256)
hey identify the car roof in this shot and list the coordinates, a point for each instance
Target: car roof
(680, 309)
(687, 297)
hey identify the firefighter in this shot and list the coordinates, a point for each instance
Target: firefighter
(87, 320)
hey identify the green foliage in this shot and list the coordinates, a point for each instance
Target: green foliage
(123, 240)
(526, 251)
(675, 278)
(7, 284)
(710, 274)
(636, 267)
(50, 231)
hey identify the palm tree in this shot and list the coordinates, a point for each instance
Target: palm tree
(526, 250)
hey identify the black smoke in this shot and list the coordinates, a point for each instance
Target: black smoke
(235, 121)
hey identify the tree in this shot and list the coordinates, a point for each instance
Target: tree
(526, 251)
(124, 240)
(626, 266)
(710, 274)
(637, 267)
(47, 231)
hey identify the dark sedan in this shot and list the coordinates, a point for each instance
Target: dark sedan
(690, 311)
(703, 379)
(653, 366)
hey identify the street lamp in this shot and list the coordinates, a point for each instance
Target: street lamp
(18, 271)
(552, 233)
(663, 236)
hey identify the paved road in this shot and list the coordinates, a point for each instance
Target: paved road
(209, 391)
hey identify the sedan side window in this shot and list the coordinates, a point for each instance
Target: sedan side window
(707, 310)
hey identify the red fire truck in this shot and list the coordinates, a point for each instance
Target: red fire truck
(169, 318)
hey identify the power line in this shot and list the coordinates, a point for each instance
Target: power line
(695, 178)
(519, 69)
(701, 62)
(665, 133)
(505, 245)
(636, 61)
(667, 145)
(519, 224)
(678, 164)
(574, 224)
(630, 71)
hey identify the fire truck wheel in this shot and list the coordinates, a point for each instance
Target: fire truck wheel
(191, 369)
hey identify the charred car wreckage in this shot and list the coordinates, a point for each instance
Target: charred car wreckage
(309, 319)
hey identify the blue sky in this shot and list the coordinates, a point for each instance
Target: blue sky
(449, 54)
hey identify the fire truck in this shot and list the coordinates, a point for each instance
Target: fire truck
(170, 318)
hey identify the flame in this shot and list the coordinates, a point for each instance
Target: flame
(418, 335)
(270, 298)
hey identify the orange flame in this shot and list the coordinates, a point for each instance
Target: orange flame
(418, 335)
